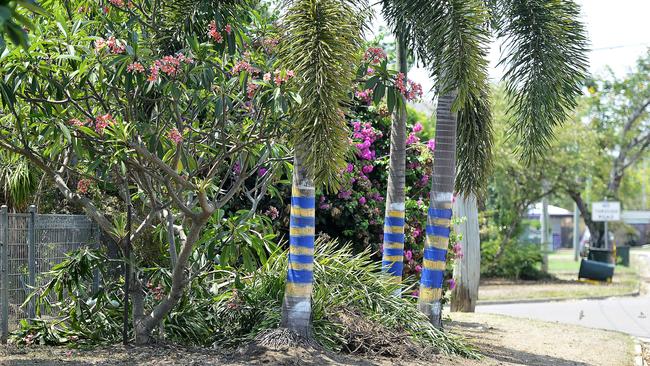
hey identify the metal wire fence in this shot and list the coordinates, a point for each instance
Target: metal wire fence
(30, 245)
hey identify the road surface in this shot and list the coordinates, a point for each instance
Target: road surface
(630, 315)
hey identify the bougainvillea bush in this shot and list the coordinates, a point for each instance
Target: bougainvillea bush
(355, 214)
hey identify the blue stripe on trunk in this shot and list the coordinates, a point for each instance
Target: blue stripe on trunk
(394, 221)
(438, 231)
(393, 268)
(440, 213)
(435, 254)
(432, 278)
(396, 238)
(303, 202)
(302, 221)
(302, 241)
(300, 276)
(393, 251)
(301, 258)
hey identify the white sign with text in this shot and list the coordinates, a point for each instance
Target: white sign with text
(606, 211)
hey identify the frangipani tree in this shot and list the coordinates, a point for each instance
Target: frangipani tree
(104, 112)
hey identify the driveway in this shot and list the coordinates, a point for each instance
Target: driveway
(630, 315)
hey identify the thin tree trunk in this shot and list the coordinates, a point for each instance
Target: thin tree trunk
(439, 215)
(147, 324)
(393, 249)
(596, 229)
(296, 307)
(467, 271)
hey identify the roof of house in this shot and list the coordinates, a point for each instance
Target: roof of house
(536, 210)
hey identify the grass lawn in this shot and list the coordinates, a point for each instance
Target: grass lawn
(565, 285)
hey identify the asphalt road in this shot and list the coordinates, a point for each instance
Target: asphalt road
(624, 314)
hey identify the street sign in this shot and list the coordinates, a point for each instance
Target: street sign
(606, 211)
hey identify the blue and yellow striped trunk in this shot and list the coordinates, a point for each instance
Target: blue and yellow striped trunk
(393, 255)
(296, 309)
(434, 259)
(439, 214)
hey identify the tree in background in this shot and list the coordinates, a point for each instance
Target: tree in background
(618, 110)
(515, 186)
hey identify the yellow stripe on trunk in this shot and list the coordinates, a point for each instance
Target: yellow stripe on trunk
(393, 258)
(297, 250)
(301, 266)
(302, 231)
(394, 229)
(430, 294)
(298, 289)
(437, 242)
(295, 191)
(303, 212)
(393, 245)
(435, 265)
(441, 222)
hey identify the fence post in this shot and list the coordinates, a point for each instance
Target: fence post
(96, 239)
(31, 257)
(4, 298)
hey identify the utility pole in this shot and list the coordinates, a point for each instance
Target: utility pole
(644, 181)
(576, 232)
(545, 241)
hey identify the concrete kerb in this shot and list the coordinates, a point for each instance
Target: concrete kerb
(635, 293)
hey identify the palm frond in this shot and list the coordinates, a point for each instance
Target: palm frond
(450, 38)
(18, 180)
(474, 146)
(322, 45)
(544, 54)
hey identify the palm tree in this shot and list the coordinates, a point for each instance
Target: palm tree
(545, 63)
(393, 245)
(450, 38)
(321, 45)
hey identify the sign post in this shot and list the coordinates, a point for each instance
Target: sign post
(606, 211)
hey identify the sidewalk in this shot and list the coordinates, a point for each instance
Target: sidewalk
(630, 315)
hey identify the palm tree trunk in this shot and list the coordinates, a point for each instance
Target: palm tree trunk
(393, 249)
(439, 215)
(296, 307)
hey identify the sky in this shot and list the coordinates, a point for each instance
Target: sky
(618, 31)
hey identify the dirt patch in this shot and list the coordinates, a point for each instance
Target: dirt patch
(119, 355)
(502, 340)
(514, 341)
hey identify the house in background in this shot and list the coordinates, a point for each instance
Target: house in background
(560, 223)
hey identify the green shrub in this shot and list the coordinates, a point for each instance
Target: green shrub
(519, 261)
